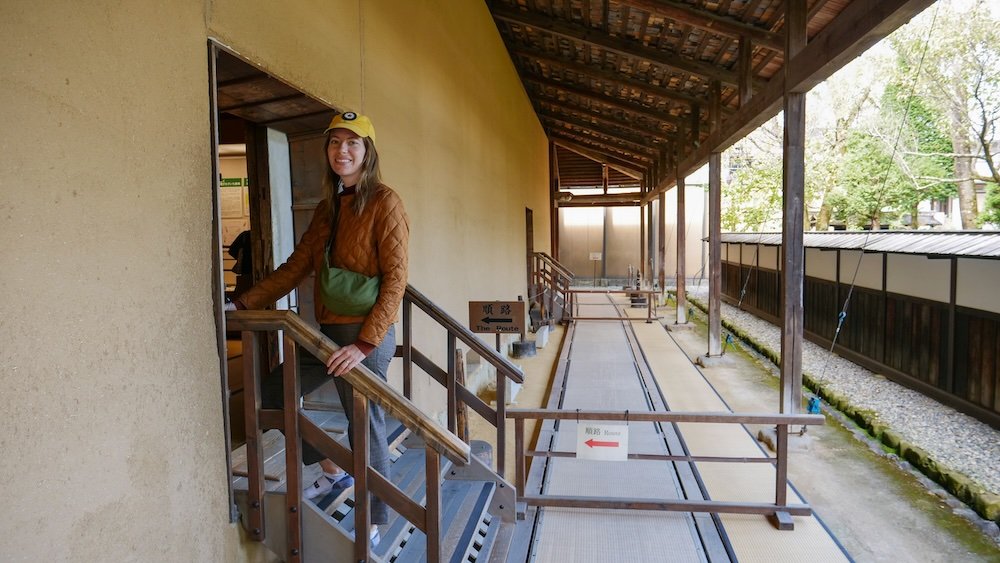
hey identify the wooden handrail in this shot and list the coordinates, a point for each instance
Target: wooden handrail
(503, 365)
(670, 416)
(554, 264)
(361, 378)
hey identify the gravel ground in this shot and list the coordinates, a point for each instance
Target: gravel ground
(951, 438)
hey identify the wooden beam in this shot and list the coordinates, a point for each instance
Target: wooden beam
(792, 224)
(714, 108)
(745, 63)
(633, 169)
(576, 32)
(708, 21)
(715, 254)
(601, 117)
(858, 27)
(611, 77)
(638, 140)
(681, 239)
(628, 199)
(643, 152)
(553, 205)
(618, 103)
(662, 247)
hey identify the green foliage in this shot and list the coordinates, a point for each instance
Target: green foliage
(872, 182)
(991, 208)
(753, 197)
(929, 160)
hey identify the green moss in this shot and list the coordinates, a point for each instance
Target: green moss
(988, 505)
(985, 504)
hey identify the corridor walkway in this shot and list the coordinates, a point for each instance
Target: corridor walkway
(611, 365)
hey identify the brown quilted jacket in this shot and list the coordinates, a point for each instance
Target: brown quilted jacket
(374, 243)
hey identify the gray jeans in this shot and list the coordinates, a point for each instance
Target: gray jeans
(312, 374)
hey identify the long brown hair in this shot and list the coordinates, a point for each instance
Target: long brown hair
(368, 182)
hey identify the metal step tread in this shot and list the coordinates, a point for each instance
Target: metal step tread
(464, 507)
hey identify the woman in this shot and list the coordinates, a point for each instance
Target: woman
(360, 227)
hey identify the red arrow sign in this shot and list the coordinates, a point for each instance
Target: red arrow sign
(596, 444)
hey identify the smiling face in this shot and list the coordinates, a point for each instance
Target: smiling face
(346, 151)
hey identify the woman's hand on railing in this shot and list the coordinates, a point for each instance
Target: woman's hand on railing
(344, 360)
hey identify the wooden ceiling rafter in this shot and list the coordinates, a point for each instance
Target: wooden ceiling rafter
(661, 83)
(709, 22)
(856, 28)
(658, 142)
(601, 116)
(623, 105)
(609, 151)
(629, 48)
(632, 147)
(625, 167)
(608, 76)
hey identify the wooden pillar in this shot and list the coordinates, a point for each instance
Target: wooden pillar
(793, 190)
(604, 244)
(642, 244)
(746, 71)
(715, 254)
(553, 205)
(681, 251)
(662, 246)
(650, 242)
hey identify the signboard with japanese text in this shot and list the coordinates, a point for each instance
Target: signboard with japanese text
(496, 316)
(605, 442)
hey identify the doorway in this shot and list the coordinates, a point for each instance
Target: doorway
(266, 137)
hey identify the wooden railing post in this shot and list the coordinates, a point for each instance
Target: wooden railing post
(452, 390)
(782, 520)
(293, 452)
(462, 416)
(519, 455)
(432, 518)
(362, 510)
(501, 423)
(255, 450)
(407, 348)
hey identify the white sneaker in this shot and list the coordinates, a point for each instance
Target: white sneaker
(375, 538)
(325, 484)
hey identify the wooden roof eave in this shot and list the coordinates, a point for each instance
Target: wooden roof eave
(591, 36)
(713, 23)
(858, 27)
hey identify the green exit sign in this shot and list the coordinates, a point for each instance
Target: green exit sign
(231, 182)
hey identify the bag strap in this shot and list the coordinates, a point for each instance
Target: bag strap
(336, 221)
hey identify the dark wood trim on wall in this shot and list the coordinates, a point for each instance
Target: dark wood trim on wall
(945, 351)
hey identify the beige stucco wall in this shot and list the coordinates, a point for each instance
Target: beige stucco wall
(821, 264)
(976, 286)
(695, 223)
(919, 276)
(113, 447)
(868, 268)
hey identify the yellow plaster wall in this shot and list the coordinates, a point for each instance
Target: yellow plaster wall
(113, 448)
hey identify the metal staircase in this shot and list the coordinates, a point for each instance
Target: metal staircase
(446, 503)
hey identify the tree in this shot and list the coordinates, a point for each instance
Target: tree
(956, 47)
(875, 189)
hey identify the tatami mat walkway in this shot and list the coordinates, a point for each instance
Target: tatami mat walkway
(602, 374)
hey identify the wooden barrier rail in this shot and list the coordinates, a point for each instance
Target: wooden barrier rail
(573, 308)
(458, 394)
(780, 512)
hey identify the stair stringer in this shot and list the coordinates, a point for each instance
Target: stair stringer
(502, 503)
(323, 540)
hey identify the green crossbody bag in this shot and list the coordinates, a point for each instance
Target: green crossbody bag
(345, 292)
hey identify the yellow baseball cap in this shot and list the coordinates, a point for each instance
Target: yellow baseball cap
(359, 124)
